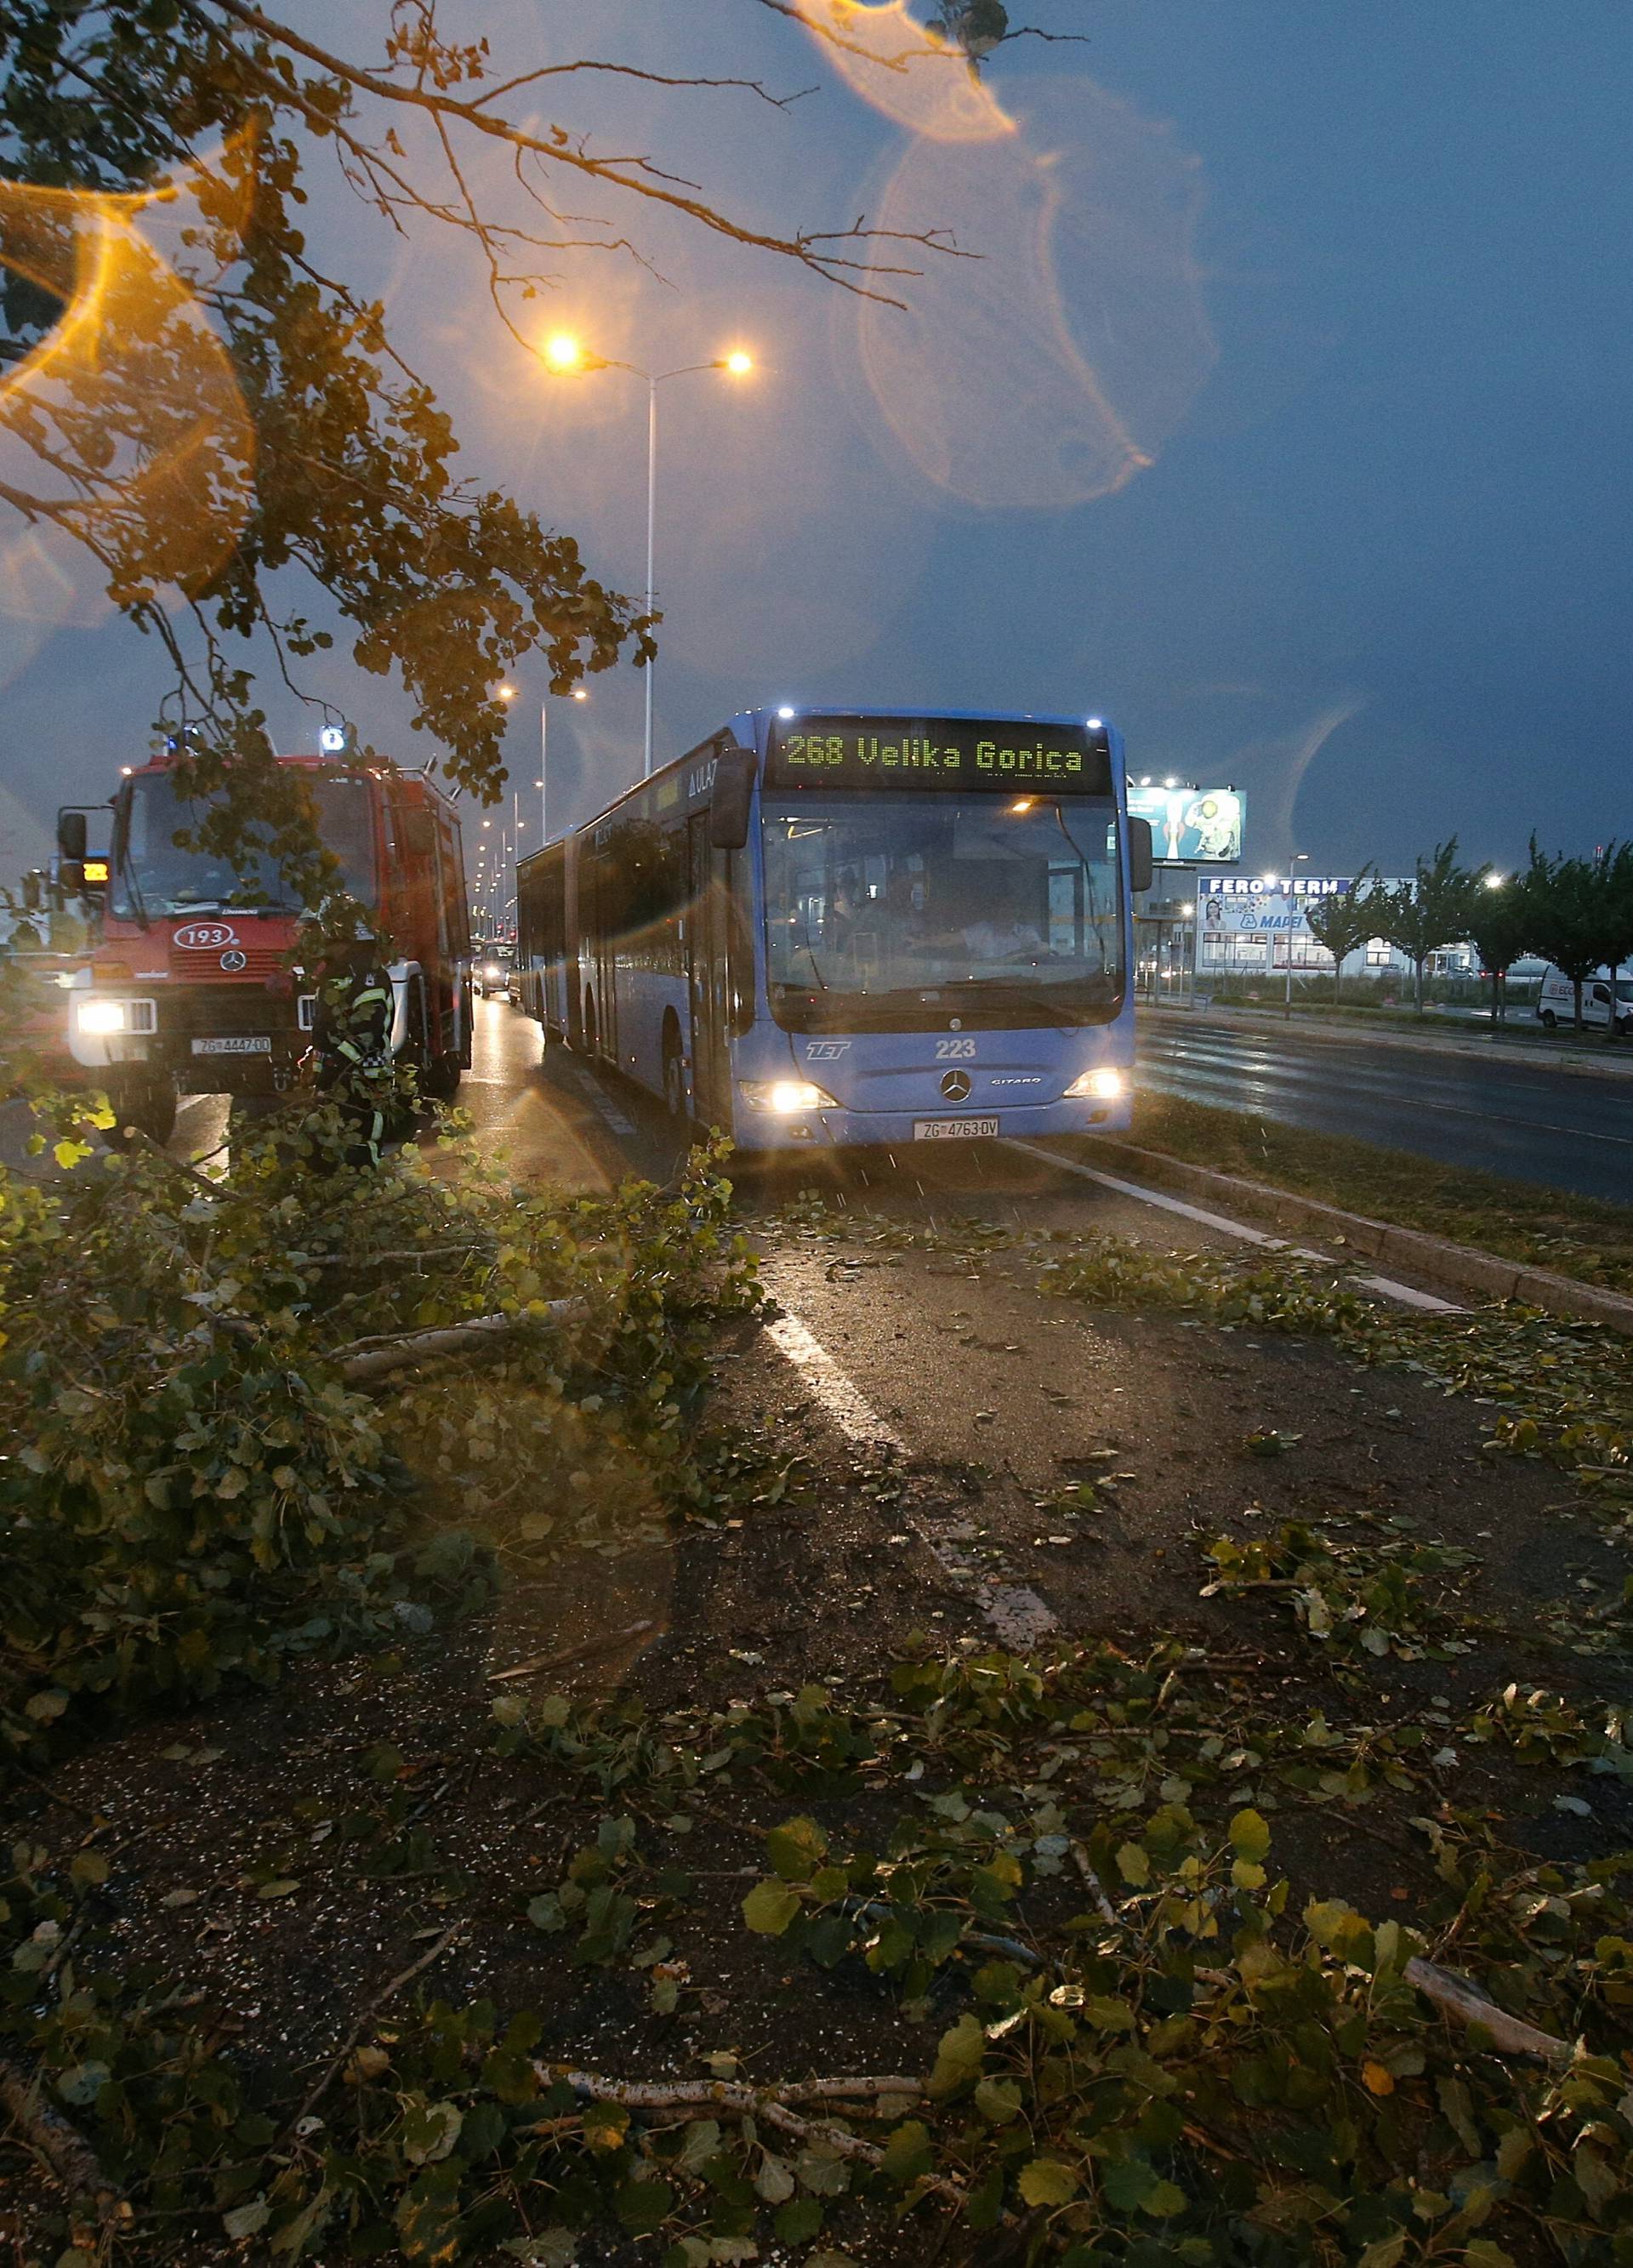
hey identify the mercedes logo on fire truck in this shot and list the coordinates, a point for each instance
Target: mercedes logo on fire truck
(233, 961)
(955, 1086)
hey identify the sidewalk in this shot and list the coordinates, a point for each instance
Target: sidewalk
(1539, 1055)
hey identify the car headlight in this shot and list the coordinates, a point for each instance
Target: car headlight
(99, 1018)
(1104, 1084)
(785, 1096)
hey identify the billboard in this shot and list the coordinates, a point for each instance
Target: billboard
(1244, 920)
(1192, 826)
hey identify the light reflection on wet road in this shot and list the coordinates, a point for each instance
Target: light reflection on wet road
(1567, 1131)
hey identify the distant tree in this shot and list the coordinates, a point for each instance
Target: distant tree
(1432, 910)
(1581, 915)
(1500, 923)
(1344, 921)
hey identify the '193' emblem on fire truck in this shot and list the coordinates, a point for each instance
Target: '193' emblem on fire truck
(205, 936)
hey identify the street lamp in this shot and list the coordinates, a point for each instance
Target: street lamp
(565, 354)
(1298, 858)
(578, 692)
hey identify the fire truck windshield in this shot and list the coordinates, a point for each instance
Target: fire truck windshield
(153, 876)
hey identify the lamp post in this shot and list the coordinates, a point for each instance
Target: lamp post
(565, 354)
(1298, 859)
(578, 694)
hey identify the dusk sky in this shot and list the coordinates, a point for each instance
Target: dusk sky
(1353, 279)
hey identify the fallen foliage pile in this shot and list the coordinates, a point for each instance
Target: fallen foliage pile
(235, 1442)
(1037, 1898)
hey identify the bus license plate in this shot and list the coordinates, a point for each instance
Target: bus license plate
(259, 1045)
(953, 1129)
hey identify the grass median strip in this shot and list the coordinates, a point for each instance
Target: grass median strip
(1581, 1237)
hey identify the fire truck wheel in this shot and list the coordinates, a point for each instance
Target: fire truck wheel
(143, 1099)
(440, 1078)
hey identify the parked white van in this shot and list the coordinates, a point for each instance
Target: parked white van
(1557, 1000)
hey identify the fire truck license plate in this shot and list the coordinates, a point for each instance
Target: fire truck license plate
(953, 1129)
(259, 1045)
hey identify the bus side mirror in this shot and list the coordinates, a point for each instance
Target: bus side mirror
(1140, 862)
(728, 798)
(70, 835)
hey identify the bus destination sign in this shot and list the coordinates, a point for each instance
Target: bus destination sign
(945, 753)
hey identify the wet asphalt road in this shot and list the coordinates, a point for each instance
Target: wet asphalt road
(1565, 1130)
(911, 1336)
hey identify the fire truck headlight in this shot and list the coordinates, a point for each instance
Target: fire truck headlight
(98, 1018)
(1104, 1085)
(785, 1096)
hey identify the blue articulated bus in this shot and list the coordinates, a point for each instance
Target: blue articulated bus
(819, 929)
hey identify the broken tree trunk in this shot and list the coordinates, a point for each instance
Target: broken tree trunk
(1458, 1996)
(367, 1360)
(62, 2147)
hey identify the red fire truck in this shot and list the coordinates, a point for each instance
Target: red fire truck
(191, 990)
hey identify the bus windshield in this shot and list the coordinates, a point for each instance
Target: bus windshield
(153, 878)
(879, 907)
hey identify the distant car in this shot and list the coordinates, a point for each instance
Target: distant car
(491, 970)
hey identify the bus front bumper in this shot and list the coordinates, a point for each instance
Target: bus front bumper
(837, 1129)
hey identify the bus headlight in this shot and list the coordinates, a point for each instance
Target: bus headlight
(98, 1018)
(1104, 1085)
(785, 1096)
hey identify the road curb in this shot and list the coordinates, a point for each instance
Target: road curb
(1460, 1265)
(1537, 1056)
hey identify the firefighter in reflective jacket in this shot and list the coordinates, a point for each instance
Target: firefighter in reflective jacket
(352, 1034)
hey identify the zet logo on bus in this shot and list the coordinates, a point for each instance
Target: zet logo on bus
(825, 1050)
(204, 936)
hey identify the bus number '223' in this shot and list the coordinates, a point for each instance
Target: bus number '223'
(817, 930)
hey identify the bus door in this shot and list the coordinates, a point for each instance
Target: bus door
(707, 983)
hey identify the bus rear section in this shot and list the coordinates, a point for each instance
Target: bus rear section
(820, 931)
(193, 987)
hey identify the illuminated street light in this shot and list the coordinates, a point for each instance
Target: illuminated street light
(1496, 882)
(566, 354)
(505, 693)
(580, 693)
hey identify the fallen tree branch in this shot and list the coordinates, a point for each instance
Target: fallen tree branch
(1459, 1996)
(399, 1984)
(540, 1663)
(734, 2098)
(366, 1359)
(61, 2145)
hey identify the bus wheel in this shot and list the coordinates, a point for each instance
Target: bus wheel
(144, 1098)
(1550, 1022)
(674, 1076)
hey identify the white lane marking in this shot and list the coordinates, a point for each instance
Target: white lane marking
(843, 1401)
(1386, 1286)
(1018, 1615)
(603, 1103)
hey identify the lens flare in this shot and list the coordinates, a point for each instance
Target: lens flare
(1047, 364)
(915, 78)
(125, 446)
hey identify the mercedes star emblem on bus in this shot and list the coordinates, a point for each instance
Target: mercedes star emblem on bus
(955, 1086)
